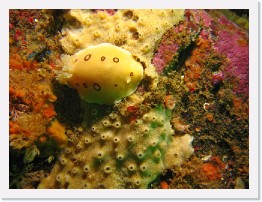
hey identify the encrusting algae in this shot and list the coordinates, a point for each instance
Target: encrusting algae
(128, 99)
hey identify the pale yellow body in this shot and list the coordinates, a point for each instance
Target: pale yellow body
(104, 74)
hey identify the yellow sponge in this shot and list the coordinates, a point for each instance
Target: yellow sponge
(104, 73)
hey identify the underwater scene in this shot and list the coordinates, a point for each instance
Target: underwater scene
(128, 99)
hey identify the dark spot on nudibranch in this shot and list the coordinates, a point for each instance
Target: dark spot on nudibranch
(116, 60)
(76, 60)
(103, 58)
(84, 85)
(116, 85)
(87, 57)
(77, 84)
(131, 73)
(136, 58)
(96, 87)
(143, 64)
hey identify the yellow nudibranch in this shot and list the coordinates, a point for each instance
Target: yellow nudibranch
(104, 73)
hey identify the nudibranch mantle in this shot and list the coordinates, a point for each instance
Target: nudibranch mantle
(103, 74)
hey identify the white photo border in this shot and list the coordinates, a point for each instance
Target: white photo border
(254, 153)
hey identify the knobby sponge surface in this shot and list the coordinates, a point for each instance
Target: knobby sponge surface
(117, 154)
(136, 31)
(113, 152)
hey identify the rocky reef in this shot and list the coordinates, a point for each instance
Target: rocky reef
(183, 124)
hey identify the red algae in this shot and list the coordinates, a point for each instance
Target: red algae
(175, 40)
(237, 53)
(170, 102)
(16, 62)
(49, 112)
(202, 65)
(164, 185)
(212, 172)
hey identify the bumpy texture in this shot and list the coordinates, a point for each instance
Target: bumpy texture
(103, 74)
(173, 42)
(234, 45)
(136, 31)
(115, 154)
(129, 29)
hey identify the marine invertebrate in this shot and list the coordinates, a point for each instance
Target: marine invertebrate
(14, 128)
(217, 79)
(164, 185)
(231, 42)
(31, 105)
(179, 125)
(103, 74)
(49, 112)
(129, 29)
(57, 132)
(206, 106)
(170, 102)
(239, 108)
(115, 154)
(16, 62)
(211, 171)
(217, 127)
(210, 117)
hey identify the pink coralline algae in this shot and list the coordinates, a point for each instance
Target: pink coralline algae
(234, 45)
(164, 56)
(226, 39)
(173, 41)
(200, 17)
(232, 42)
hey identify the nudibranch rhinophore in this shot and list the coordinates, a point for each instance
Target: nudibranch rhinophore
(104, 73)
